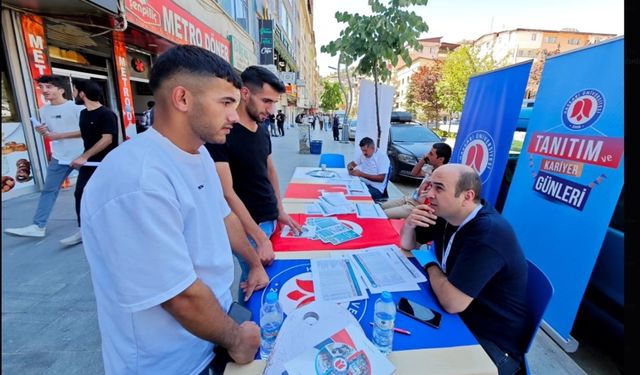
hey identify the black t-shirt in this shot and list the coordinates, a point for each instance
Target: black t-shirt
(280, 118)
(487, 263)
(95, 123)
(247, 153)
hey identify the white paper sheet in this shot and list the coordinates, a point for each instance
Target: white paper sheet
(370, 211)
(335, 280)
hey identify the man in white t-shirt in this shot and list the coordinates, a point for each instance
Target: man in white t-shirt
(158, 233)
(59, 123)
(372, 167)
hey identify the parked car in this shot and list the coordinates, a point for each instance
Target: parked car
(352, 129)
(408, 142)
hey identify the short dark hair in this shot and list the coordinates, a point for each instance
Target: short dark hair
(469, 180)
(443, 150)
(91, 89)
(151, 103)
(366, 141)
(254, 77)
(190, 60)
(59, 82)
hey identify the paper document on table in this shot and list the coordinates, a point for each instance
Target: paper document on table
(370, 211)
(335, 280)
(343, 180)
(334, 204)
(382, 271)
(307, 232)
(347, 351)
(313, 209)
(335, 199)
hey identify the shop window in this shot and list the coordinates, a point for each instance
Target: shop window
(9, 113)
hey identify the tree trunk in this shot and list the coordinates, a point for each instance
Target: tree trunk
(375, 83)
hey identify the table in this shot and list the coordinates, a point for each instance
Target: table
(374, 232)
(311, 192)
(300, 175)
(451, 349)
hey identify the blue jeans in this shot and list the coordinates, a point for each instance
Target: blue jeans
(375, 193)
(268, 227)
(506, 364)
(56, 173)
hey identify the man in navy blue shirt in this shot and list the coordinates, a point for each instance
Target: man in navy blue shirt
(478, 269)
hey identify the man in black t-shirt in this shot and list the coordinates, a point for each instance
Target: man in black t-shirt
(99, 131)
(478, 268)
(245, 166)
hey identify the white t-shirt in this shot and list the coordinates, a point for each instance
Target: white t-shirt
(153, 222)
(378, 163)
(63, 118)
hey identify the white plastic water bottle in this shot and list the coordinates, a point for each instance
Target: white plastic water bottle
(384, 316)
(270, 322)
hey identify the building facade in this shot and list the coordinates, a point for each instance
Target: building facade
(115, 42)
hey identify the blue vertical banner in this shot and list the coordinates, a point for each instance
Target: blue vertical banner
(570, 172)
(488, 121)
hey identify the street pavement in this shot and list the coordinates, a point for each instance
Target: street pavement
(49, 320)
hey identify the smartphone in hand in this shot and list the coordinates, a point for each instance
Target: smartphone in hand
(420, 313)
(239, 313)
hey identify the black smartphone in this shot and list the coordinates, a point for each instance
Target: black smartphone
(239, 313)
(419, 312)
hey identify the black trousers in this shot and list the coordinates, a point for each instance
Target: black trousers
(335, 133)
(84, 175)
(281, 129)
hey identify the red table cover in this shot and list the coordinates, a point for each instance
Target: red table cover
(375, 232)
(296, 190)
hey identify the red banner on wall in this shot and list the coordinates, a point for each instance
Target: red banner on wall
(124, 85)
(170, 21)
(35, 44)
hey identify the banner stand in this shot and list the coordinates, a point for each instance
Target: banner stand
(569, 346)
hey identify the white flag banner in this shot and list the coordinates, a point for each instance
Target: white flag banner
(367, 124)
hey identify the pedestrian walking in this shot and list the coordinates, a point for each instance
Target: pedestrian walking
(280, 118)
(336, 128)
(99, 131)
(60, 124)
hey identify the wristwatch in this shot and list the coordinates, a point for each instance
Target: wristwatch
(426, 266)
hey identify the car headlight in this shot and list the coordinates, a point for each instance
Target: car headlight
(409, 159)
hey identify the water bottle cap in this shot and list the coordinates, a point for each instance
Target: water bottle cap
(386, 297)
(272, 297)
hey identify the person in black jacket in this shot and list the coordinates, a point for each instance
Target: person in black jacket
(478, 269)
(336, 128)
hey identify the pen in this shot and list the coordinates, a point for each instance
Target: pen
(399, 330)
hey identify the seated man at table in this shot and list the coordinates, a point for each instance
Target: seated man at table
(400, 208)
(478, 269)
(372, 167)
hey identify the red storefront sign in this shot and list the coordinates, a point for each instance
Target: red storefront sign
(170, 21)
(36, 46)
(124, 85)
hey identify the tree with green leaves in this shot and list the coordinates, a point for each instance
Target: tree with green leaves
(376, 40)
(458, 67)
(422, 97)
(331, 96)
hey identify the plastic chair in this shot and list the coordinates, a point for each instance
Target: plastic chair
(332, 160)
(539, 292)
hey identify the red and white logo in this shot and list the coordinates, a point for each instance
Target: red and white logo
(144, 11)
(296, 292)
(478, 152)
(583, 109)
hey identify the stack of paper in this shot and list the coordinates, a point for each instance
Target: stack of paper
(335, 280)
(327, 230)
(370, 211)
(347, 351)
(334, 204)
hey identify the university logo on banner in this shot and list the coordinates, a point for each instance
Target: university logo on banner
(583, 109)
(294, 286)
(478, 152)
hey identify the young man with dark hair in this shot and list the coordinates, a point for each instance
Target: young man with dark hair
(372, 167)
(159, 234)
(246, 168)
(478, 269)
(99, 131)
(400, 208)
(60, 124)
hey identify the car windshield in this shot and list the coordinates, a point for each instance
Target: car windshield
(416, 134)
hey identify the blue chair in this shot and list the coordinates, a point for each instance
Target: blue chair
(385, 192)
(539, 292)
(332, 160)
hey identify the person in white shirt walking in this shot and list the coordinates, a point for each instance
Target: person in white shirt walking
(60, 124)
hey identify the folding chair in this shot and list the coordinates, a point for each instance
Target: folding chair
(539, 292)
(385, 193)
(332, 160)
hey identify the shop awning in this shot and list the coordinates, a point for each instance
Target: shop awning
(66, 7)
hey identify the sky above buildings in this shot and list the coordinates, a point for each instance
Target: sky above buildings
(455, 20)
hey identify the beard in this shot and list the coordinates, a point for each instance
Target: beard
(204, 129)
(78, 100)
(252, 111)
